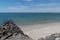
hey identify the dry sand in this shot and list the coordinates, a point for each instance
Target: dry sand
(41, 30)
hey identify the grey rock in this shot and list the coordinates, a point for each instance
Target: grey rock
(51, 37)
(41, 39)
(9, 31)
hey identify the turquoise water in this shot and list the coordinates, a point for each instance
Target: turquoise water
(30, 18)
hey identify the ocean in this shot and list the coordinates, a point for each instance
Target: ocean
(30, 18)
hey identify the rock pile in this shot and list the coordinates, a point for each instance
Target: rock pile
(51, 37)
(9, 31)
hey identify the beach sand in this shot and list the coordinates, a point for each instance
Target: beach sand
(41, 30)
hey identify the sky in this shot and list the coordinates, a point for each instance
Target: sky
(29, 5)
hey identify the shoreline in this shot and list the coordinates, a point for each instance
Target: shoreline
(46, 22)
(39, 25)
(41, 30)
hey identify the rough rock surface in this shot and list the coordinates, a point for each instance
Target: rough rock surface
(51, 37)
(9, 31)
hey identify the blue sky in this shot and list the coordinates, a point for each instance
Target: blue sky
(29, 5)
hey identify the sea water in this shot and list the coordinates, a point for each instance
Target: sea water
(30, 18)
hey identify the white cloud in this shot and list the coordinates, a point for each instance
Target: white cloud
(31, 10)
(47, 5)
(21, 8)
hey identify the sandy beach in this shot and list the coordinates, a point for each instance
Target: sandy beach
(41, 30)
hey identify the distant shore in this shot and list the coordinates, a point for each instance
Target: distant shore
(41, 30)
